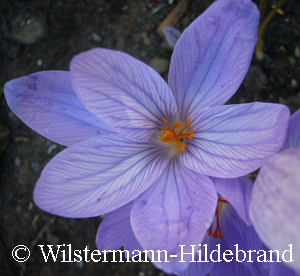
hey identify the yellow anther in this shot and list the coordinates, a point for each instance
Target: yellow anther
(169, 135)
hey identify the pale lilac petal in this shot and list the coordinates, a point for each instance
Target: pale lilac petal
(234, 140)
(176, 210)
(275, 204)
(115, 231)
(46, 102)
(125, 93)
(237, 191)
(237, 234)
(98, 175)
(293, 132)
(280, 269)
(212, 56)
(171, 35)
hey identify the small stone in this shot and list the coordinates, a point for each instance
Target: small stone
(294, 83)
(259, 55)
(160, 65)
(22, 139)
(51, 148)
(30, 206)
(292, 60)
(156, 9)
(17, 161)
(283, 49)
(36, 166)
(297, 52)
(96, 37)
(29, 27)
(39, 62)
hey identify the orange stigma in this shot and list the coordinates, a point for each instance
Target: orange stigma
(170, 134)
(218, 232)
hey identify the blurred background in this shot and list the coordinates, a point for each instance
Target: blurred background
(37, 35)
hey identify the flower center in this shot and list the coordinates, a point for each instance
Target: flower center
(169, 135)
(218, 232)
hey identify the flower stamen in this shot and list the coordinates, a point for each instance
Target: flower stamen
(169, 135)
(218, 232)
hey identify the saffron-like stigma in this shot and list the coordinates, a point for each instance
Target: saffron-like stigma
(169, 135)
(218, 232)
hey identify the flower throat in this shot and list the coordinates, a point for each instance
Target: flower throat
(218, 232)
(169, 135)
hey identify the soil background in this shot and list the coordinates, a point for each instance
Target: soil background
(59, 29)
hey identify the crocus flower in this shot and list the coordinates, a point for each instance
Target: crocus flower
(134, 138)
(275, 200)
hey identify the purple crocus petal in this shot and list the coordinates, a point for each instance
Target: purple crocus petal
(202, 268)
(220, 45)
(237, 234)
(171, 35)
(115, 231)
(275, 204)
(176, 210)
(293, 132)
(46, 102)
(230, 268)
(98, 175)
(234, 140)
(280, 269)
(122, 91)
(237, 191)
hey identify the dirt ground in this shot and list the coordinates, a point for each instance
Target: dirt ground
(62, 28)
